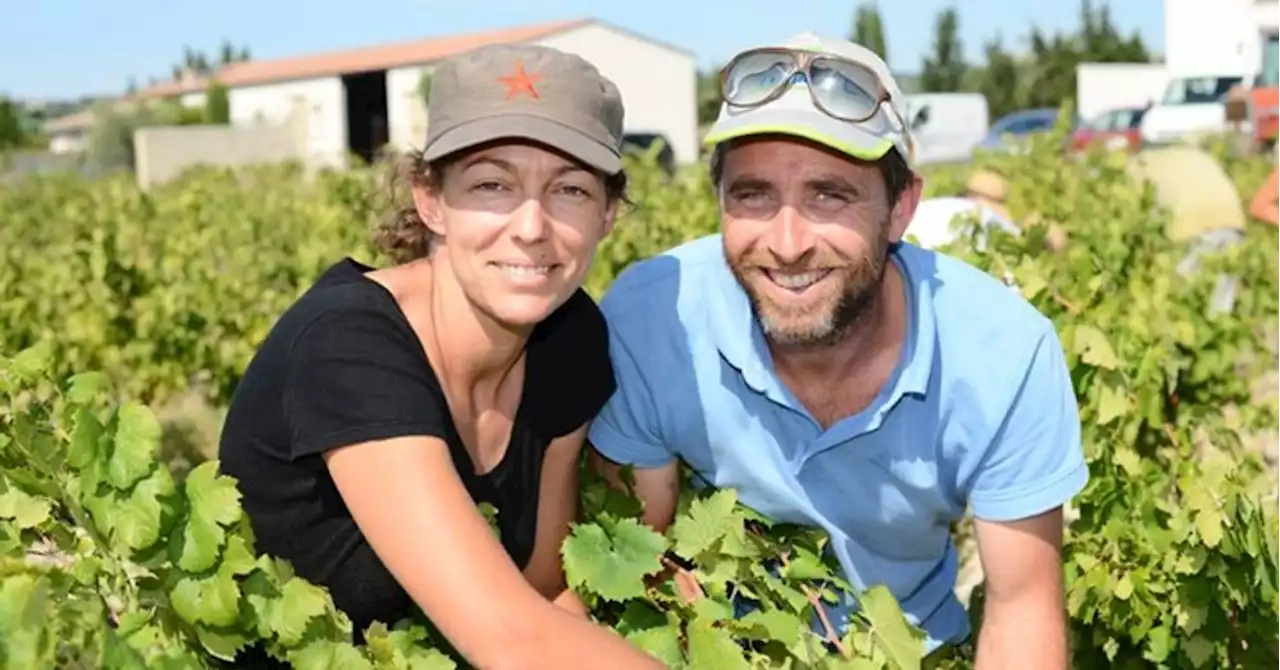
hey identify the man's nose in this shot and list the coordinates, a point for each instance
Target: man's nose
(790, 236)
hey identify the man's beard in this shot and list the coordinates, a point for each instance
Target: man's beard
(829, 319)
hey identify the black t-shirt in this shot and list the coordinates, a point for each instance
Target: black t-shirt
(343, 366)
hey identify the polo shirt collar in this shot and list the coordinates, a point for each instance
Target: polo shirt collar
(741, 341)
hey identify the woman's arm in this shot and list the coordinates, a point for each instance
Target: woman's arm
(410, 504)
(1264, 205)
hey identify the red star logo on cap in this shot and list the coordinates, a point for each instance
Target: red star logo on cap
(520, 83)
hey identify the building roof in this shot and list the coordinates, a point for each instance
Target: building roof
(380, 57)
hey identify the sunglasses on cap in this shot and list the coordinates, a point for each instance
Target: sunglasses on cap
(841, 88)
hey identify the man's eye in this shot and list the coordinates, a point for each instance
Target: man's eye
(489, 186)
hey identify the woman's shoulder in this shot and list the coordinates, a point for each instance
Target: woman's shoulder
(342, 299)
(342, 317)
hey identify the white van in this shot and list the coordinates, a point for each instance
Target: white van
(947, 126)
(1191, 106)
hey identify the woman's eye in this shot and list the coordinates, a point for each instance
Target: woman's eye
(575, 191)
(490, 186)
(832, 195)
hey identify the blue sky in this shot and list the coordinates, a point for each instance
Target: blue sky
(65, 48)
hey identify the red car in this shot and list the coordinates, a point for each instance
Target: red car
(1115, 129)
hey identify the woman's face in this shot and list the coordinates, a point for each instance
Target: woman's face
(517, 226)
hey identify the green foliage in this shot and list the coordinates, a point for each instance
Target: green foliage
(12, 131)
(424, 87)
(106, 561)
(674, 595)
(1173, 560)
(141, 570)
(708, 96)
(109, 559)
(217, 104)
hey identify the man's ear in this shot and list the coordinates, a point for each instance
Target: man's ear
(905, 208)
(427, 202)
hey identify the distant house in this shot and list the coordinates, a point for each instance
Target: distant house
(68, 134)
(360, 99)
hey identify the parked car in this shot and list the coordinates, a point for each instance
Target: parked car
(642, 143)
(1115, 129)
(1009, 132)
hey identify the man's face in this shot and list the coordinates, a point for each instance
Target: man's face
(806, 233)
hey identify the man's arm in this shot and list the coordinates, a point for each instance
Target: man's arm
(1030, 470)
(628, 431)
(1024, 619)
(657, 488)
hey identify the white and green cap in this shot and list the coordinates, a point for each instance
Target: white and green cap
(794, 112)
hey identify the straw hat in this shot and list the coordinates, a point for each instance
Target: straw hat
(988, 185)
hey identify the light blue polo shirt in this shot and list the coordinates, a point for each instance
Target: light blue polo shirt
(979, 412)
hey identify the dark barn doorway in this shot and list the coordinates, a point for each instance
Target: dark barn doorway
(367, 130)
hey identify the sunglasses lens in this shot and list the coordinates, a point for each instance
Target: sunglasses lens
(753, 77)
(845, 89)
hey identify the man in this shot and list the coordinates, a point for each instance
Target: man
(1205, 209)
(938, 221)
(835, 377)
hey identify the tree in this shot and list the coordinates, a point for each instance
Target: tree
(868, 29)
(1102, 43)
(217, 104)
(999, 80)
(1046, 76)
(1053, 77)
(12, 134)
(709, 98)
(944, 69)
(201, 64)
(229, 53)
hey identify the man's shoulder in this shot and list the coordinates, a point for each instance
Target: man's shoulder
(665, 289)
(981, 322)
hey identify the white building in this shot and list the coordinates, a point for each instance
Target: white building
(1203, 39)
(1220, 37)
(361, 99)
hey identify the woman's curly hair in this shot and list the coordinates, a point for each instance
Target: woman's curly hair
(404, 236)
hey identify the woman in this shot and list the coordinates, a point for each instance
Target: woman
(385, 404)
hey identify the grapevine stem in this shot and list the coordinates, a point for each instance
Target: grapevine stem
(1070, 306)
(822, 614)
(686, 583)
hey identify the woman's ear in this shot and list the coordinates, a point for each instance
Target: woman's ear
(427, 202)
(610, 217)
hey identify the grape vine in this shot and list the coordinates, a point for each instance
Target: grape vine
(115, 302)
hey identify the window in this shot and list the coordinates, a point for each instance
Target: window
(1269, 75)
(1198, 90)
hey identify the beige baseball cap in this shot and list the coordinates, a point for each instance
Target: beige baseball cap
(794, 113)
(530, 92)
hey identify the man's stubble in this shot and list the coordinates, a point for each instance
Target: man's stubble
(828, 322)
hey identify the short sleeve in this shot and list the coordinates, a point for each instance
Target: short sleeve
(1036, 461)
(627, 430)
(356, 376)
(573, 367)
